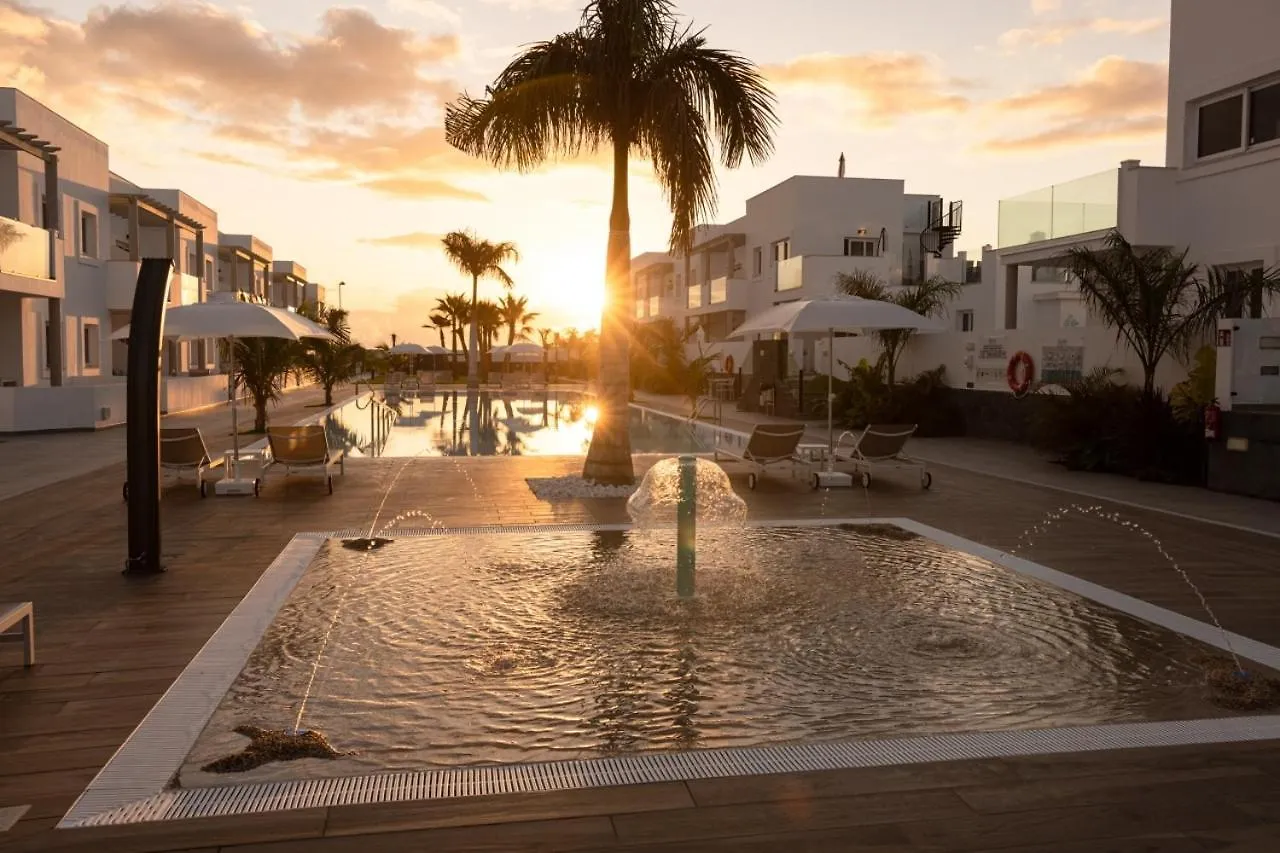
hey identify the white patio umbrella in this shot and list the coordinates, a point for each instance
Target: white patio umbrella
(826, 318)
(409, 349)
(231, 319)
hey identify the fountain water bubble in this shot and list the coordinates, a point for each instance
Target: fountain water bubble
(656, 501)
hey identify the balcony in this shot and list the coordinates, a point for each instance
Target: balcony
(814, 276)
(122, 281)
(1083, 206)
(25, 258)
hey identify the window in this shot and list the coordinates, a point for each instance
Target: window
(781, 251)
(1220, 126)
(92, 345)
(695, 296)
(859, 247)
(964, 321)
(88, 234)
(757, 261)
(1264, 114)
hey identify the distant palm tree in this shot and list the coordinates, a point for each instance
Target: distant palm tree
(517, 316)
(440, 322)
(488, 319)
(546, 339)
(630, 78)
(479, 259)
(457, 308)
(926, 298)
(328, 362)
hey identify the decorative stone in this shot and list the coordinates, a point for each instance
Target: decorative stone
(267, 746)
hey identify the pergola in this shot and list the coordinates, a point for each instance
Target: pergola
(142, 210)
(14, 138)
(232, 254)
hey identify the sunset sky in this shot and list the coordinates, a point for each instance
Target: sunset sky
(318, 128)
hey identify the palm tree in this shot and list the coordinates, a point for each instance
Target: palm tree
(439, 322)
(262, 366)
(479, 259)
(630, 78)
(546, 339)
(927, 298)
(457, 308)
(1155, 299)
(488, 320)
(517, 316)
(328, 362)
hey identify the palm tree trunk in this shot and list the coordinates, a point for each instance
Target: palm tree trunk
(609, 457)
(473, 357)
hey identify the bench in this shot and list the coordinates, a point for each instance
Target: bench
(24, 618)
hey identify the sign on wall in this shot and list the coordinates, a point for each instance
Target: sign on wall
(1061, 364)
(990, 376)
(993, 352)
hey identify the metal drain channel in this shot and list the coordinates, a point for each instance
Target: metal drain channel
(132, 787)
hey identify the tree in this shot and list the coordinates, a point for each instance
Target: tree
(517, 317)
(628, 79)
(487, 318)
(457, 308)
(328, 363)
(479, 259)
(546, 339)
(262, 365)
(1155, 299)
(439, 322)
(927, 298)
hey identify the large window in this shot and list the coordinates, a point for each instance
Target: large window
(92, 345)
(88, 234)
(695, 296)
(860, 247)
(1221, 126)
(1264, 114)
(757, 261)
(781, 251)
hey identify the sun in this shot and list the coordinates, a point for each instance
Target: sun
(578, 292)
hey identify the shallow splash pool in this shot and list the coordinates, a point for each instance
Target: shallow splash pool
(449, 650)
(501, 660)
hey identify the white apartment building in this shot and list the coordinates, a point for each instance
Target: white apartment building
(72, 238)
(792, 242)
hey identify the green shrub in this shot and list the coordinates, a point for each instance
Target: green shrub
(922, 400)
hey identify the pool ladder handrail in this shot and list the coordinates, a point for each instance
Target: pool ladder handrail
(717, 409)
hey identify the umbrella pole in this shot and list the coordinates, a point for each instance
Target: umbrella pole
(831, 399)
(235, 426)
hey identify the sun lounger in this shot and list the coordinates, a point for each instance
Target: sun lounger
(305, 449)
(881, 447)
(768, 445)
(183, 452)
(23, 616)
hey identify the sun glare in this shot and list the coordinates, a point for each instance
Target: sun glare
(591, 414)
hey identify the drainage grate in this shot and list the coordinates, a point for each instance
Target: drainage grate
(131, 788)
(490, 780)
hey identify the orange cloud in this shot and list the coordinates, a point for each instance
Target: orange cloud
(422, 188)
(1059, 32)
(1115, 99)
(412, 240)
(227, 159)
(889, 86)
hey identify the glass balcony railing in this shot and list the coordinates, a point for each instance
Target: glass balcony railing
(719, 291)
(24, 249)
(655, 306)
(1063, 210)
(695, 296)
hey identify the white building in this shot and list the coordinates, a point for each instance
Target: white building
(792, 242)
(72, 238)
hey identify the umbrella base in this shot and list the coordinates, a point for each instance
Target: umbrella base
(236, 487)
(833, 480)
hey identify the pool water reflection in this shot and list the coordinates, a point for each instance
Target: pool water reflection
(456, 422)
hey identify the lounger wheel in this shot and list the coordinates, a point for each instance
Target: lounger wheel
(330, 480)
(125, 490)
(926, 480)
(257, 484)
(751, 481)
(203, 489)
(866, 479)
(815, 482)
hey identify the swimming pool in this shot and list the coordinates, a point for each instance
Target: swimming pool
(456, 422)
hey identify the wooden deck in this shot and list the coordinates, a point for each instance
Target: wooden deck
(109, 646)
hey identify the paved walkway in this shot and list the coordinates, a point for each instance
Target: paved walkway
(1022, 464)
(32, 461)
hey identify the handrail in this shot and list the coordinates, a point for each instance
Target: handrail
(717, 409)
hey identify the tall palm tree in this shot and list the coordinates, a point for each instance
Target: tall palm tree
(630, 78)
(516, 314)
(479, 259)
(1155, 300)
(926, 298)
(457, 308)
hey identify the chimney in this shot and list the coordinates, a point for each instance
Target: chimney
(840, 174)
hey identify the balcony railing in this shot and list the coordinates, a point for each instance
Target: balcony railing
(817, 273)
(122, 281)
(24, 249)
(1081, 206)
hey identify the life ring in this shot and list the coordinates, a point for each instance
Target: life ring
(728, 364)
(1021, 373)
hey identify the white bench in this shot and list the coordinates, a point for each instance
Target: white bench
(24, 618)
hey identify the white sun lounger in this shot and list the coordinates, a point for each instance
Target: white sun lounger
(305, 449)
(768, 445)
(881, 447)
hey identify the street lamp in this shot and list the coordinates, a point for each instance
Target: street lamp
(341, 285)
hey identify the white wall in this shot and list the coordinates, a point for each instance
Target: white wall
(69, 407)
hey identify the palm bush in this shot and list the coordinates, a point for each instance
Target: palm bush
(927, 298)
(328, 363)
(262, 368)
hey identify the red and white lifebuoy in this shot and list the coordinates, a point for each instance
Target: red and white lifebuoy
(1021, 373)
(728, 364)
